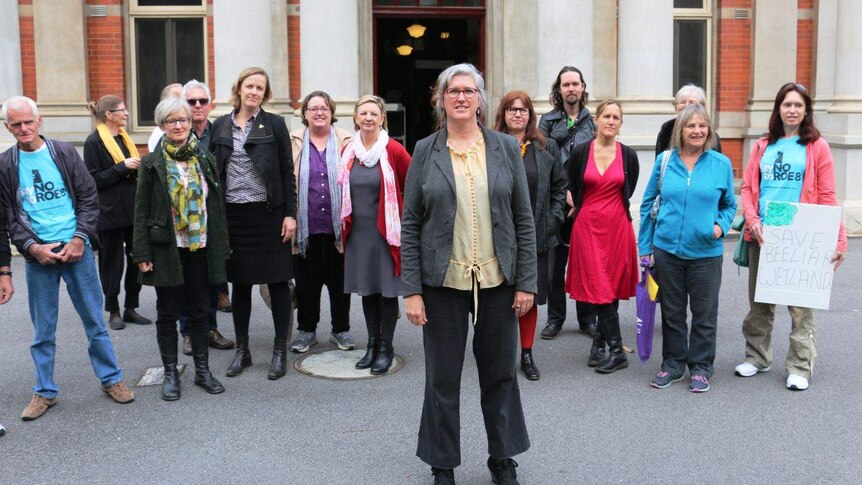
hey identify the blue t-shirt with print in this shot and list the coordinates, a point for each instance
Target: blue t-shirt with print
(782, 168)
(44, 196)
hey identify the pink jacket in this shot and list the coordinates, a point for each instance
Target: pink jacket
(818, 183)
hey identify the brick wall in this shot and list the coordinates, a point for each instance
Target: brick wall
(28, 50)
(733, 67)
(805, 46)
(106, 53)
(293, 54)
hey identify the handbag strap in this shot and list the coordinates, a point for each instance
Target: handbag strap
(665, 156)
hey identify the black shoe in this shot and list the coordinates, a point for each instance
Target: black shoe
(503, 471)
(131, 316)
(383, 361)
(171, 383)
(597, 351)
(551, 331)
(528, 365)
(616, 359)
(370, 354)
(589, 328)
(116, 322)
(241, 360)
(278, 367)
(443, 476)
(200, 355)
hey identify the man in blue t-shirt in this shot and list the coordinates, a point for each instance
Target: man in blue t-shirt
(50, 203)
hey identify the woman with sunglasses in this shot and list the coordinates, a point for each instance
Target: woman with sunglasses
(113, 160)
(546, 180)
(794, 142)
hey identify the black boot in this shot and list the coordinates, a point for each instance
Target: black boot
(616, 358)
(200, 354)
(597, 351)
(383, 361)
(503, 471)
(528, 365)
(241, 360)
(278, 367)
(443, 476)
(171, 382)
(370, 354)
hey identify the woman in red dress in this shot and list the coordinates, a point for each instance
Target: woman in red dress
(602, 269)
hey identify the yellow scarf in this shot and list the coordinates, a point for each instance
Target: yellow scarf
(112, 146)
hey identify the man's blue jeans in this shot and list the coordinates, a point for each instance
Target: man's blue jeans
(85, 291)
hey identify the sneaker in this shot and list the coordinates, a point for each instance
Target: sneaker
(698, 384)
(37, 407)
(503, 471)
(119, 392)
(664, 379)
(187, 345)
(443, 476)
(2, 430)
(303, 342)
(343, 340)
(218, 341)
(796, 382)
(747, 369)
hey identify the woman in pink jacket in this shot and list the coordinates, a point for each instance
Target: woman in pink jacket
(791, 163)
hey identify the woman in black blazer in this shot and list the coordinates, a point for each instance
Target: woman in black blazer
(112, 159)
(546, 180)
(253, 151)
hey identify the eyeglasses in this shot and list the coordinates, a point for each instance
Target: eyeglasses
(176, 122)
(517, 111)
(468, 93)
(124, 110)
(798, 87)
(318, 109)
(196, 101)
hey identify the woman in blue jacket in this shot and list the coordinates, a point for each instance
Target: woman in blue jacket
(684, 241)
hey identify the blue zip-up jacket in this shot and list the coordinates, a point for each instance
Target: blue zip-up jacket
(691, 204)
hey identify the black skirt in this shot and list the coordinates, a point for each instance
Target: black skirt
(258, 256)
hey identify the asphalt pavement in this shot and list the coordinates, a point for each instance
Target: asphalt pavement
(584, 427)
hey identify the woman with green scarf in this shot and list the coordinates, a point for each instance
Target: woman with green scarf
(180, 243)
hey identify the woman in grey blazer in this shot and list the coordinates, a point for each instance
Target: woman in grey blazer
(547, 181)
(468, 254)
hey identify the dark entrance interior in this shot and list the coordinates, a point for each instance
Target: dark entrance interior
(407, 80)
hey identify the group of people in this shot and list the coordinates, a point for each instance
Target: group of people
(475, 229)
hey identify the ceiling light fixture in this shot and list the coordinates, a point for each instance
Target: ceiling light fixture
(416, 30)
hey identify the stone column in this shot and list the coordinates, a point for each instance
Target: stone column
(10, 52)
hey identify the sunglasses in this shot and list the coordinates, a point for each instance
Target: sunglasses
(797, 86)
(196, 101)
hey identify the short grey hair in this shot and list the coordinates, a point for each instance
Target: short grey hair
(691, 91)
(15, 103)
(443, 81)
(194, 83)
(166, 92)
(169, 106)
(684, 117)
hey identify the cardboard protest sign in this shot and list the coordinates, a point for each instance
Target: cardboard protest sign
(794, 266)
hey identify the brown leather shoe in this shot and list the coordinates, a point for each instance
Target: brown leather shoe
(224, 303)
(37, 407)
(218, 341)
(119, 392)
(187, 345)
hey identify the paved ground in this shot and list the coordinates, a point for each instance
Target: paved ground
(584, 427)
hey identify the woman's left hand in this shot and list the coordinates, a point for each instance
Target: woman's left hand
(716, 231)
(523, 302)
(288, 229)
(837, 259)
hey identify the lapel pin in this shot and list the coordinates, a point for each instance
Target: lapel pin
(260, 126)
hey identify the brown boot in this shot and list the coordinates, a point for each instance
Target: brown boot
(224, 303)
(37, 407)
(187, 345)
(119, 392)
(218, 341)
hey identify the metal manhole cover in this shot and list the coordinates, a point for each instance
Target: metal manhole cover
(154, 376)
(339, 365)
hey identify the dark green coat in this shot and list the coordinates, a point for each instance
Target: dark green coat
(155, 239)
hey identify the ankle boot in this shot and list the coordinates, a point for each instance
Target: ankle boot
(528, 365)
(383, 361)
(597, 351)
(241, 360)
(200, 354)
(278, 367)
(370, 354)
(171, 382)
(616, 358)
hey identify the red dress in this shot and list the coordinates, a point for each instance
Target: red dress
(602, 252)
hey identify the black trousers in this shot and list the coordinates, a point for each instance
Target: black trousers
(322, 265)
(114, 256)
(558, 258)
(495, 347)
(193, 298)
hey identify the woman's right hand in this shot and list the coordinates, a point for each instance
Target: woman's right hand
(146, 266)
(647, 261)
(415, 309)
(756, 232)
(132, 163)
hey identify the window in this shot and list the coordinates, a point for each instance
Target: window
(168, 46)
(692, 44)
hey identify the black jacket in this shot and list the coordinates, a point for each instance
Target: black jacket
(79, 185)
(115, 183)
(578, 164)
(553, 126)
(268, 146)
(5, 250)
(662, 141)
(550, 210)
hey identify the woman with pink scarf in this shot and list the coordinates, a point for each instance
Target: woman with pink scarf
(374, 167)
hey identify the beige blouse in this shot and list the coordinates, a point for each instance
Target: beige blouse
(473, 263)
